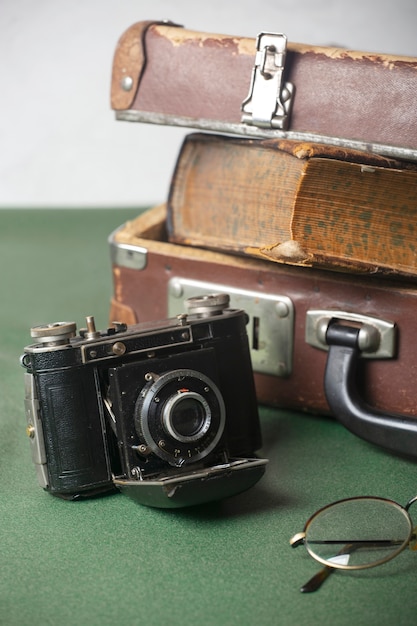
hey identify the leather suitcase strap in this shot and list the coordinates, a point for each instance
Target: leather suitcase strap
(166, 74)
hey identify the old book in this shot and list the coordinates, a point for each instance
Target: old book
(297, 203)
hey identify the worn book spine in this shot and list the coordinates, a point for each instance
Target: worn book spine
(296, 203)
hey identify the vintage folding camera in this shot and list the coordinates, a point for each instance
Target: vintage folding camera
(166, 412)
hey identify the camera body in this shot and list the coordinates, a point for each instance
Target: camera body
(164, 411)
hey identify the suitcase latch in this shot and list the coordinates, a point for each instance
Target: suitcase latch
(268, 104)
(270, 321)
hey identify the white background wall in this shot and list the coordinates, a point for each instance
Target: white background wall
(60, 145)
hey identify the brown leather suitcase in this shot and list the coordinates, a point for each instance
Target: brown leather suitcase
(320, 341)
(167, 74)
(292, 313)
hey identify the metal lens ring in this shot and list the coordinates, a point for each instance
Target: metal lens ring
(358, 533)
(180, 415)
(187, 416)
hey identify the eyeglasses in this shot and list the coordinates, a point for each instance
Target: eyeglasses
(356, 533)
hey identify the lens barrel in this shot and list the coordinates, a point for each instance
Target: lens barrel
(187, 416)
(180, 416)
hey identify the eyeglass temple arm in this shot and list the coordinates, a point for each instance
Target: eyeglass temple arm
(318, 579)
(393, 431)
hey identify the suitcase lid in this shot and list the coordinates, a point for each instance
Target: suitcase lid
(166, 74)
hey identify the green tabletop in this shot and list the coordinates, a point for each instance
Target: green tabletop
(112, 561)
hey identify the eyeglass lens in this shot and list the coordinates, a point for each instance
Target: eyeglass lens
(358, 533)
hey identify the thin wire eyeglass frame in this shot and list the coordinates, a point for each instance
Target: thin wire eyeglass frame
(350, 546)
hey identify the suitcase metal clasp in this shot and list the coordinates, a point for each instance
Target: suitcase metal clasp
(268, 104)
(270, 321)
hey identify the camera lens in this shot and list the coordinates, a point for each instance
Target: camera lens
(187, 416)
(180, 416)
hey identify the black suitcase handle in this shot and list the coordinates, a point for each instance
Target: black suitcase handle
(393, 431)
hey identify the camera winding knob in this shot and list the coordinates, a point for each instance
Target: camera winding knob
(54, 334)
(208, 305)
